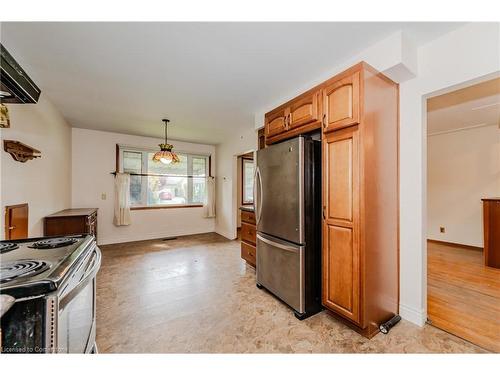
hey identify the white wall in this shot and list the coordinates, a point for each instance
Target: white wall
(93, 159)
(226, 179)
(44, 183)
(447, 63)
(462, 168)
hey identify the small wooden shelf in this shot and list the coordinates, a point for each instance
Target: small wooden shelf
(19, 151)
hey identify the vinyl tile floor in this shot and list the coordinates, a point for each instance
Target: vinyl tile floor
(195, 294)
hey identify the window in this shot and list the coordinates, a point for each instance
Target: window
(157, 184)
(247, 177)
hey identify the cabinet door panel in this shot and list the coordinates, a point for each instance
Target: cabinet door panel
(340, 179)
(343, 289)
(304, 111)
(341, 103)
(341, 253)
(276, 123)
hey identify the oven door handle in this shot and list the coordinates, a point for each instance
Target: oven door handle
(90, 274)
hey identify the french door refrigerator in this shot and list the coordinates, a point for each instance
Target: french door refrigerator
(288, 216)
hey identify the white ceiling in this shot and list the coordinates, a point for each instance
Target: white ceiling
(474, 106)
(208, 78)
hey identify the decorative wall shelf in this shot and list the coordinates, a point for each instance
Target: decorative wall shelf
(19, 151)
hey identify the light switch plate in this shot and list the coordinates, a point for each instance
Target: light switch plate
(103, 196)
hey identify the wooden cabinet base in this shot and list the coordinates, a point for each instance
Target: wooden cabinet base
(248, 237)
(71, 221)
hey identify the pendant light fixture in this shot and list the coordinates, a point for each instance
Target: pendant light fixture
(166, 155)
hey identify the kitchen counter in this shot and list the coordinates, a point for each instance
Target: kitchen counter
(247, 208)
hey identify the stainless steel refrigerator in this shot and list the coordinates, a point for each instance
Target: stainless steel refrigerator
(288, 215)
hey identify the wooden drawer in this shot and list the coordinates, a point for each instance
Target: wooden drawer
(248, 217)
(248, 252)
(248, 233)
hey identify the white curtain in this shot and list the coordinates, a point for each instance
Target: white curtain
(209, 204)
(122, 199)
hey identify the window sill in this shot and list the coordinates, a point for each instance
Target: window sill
(165, 206)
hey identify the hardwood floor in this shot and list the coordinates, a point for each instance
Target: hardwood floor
(463, 296)
(195, 294)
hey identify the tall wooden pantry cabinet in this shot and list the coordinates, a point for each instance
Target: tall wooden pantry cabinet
(360, 198)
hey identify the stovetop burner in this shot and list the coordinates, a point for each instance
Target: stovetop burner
(52, 243)
(5, 247)
(20, 268)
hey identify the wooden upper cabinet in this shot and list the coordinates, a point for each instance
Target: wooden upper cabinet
(304, 111)
(341, 272)
(341, 103)
(276, 122)
(298, 116)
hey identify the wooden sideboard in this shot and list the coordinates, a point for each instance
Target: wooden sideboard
(248, 236)
(358, 114)
(71, 221)
(491, 222)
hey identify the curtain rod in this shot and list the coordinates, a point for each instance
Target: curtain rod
(162, 175)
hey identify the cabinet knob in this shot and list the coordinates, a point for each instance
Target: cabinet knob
(324, 121)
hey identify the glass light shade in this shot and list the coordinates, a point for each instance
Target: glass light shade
(166, 155)
(166, 160)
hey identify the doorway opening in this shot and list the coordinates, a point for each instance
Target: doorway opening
(245, 183)
(463, 175)
(16, 222)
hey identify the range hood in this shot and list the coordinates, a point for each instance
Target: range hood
(15, 85)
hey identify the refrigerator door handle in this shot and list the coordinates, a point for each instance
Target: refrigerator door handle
(255, 190)
(258, 202)
(277, 244)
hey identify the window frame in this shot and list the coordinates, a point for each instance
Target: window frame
(243, 160)
(120, 148)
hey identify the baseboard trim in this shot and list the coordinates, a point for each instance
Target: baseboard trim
(415, 316)
(468, 247)
(224, 234)
(146, 237)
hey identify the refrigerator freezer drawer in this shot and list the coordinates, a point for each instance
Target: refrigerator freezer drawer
(280, 269)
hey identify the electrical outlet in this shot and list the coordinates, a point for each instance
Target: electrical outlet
(103, 196)
(442, 230)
